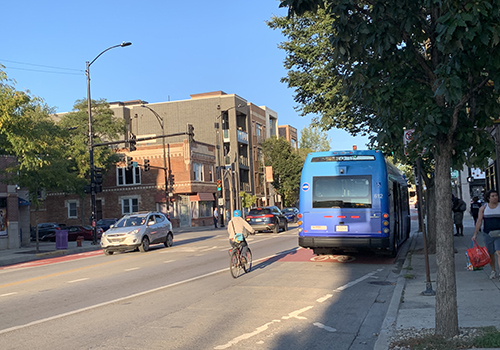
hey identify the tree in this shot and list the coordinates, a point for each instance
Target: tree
(247, 200)
(432, 66)
(287, 166)
(313, 139)
(30, 135)
(105, 126)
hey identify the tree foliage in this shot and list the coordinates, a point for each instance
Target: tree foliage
(313, 139)
(28, 133)
(287, 166)
(247, 200)
(433, 66)
(105, 127)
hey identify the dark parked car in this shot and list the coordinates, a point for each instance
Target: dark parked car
(105, 223)
(290, 214)
(45, 229)
(74, 232)
(267, 219)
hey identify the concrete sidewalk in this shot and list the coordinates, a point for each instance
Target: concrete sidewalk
(49, 250)
(477, 295)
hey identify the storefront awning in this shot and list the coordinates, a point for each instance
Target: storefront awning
(202, 197)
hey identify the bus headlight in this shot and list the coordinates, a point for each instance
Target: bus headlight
(386, 230)
(300, 229)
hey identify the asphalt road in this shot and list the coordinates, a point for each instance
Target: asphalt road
(184, 297)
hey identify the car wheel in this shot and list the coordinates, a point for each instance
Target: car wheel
(276, 227)
(144, 247)
(107, 252)
(169, 241)
(285, 228)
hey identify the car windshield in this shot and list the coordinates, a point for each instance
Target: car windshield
(287, 210)
(262, 211)
(131, 221)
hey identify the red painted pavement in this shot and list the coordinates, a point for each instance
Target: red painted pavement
(302, 255)
(54, 260)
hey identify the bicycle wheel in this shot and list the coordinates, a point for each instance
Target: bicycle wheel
(234, 264)
(247, 261)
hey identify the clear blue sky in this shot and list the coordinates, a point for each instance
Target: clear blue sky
(178, 48)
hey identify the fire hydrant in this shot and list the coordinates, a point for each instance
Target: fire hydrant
(79, 241)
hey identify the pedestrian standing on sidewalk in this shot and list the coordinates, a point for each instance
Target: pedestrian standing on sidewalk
(474, 209)
(216, 217)
(458, 208)
(490, 214)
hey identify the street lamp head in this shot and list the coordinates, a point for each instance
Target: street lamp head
(123, 44)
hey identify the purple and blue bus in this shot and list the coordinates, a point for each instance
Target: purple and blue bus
(352, 200)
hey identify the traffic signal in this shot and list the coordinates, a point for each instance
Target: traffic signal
(98, 175)
(219, 185)
(190, 132)
(128, 162)
(132, 142)
(146, 165)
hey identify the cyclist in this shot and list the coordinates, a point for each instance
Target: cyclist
(238, 225)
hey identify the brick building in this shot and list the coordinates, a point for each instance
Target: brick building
(190, 193)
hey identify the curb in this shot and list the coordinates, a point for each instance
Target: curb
(391, 316)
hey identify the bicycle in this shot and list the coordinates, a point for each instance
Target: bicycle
(239, 261)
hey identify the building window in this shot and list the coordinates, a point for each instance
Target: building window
(126, 177)
(72, 210)
(130, 205)
(211, 173)
(198, 172)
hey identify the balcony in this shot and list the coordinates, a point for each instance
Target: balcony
(245, 187)
(242, 136)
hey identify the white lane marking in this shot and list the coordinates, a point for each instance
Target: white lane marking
(167, 261)
(132, 269)
(352, 283)
(326, 328)
(80, 280)
(325, 298)
(295, 314)
(92, 307)
(246, 336)
(6, 295)
(207, 249)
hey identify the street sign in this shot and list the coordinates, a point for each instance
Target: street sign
(221, 202)
(454, 174)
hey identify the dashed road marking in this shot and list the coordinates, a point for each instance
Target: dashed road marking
(297, 315)
(79, 280)
(132, 269)
(8, 294)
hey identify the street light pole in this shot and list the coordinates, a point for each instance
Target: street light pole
(162, 125)
(91, 141)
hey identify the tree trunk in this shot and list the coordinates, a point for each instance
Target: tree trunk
(446, 289)
(431, 219)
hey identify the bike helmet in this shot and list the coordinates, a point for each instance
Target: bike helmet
(237, 213)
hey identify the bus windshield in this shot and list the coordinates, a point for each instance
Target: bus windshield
(342, 191)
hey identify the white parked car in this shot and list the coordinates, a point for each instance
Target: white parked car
(137, 230)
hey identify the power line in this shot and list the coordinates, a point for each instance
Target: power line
(42, 71)
(39, 65)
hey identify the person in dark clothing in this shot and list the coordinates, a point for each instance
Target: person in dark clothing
(458, 209)
(474, 209)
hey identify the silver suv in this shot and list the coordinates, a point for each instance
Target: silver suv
(137, 230)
